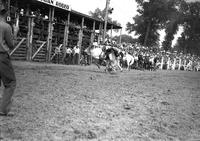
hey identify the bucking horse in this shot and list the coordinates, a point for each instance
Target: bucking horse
(103, 55)
(97, 54)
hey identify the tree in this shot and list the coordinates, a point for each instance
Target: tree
(189, 42)
(169, 15)
(175, 18)
(153, 16)
(125, 39)
(100, 14)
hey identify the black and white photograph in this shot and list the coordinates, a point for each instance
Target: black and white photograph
(99, 70)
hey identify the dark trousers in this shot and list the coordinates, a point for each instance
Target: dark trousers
(8, 78)
(68, 59)
(76, 58)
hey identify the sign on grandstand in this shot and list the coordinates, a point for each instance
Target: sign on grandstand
(56, 4)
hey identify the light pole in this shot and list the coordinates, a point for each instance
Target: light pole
(106, 20)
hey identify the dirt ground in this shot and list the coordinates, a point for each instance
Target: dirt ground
(81, 103)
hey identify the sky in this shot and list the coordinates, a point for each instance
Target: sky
(124, 11)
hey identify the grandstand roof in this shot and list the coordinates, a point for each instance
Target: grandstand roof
(45, 4)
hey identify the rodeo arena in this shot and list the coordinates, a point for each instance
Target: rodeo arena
(74, 85)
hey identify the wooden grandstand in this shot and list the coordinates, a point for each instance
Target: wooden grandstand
(45, 25)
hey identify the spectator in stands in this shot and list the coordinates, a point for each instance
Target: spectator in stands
(7, 73)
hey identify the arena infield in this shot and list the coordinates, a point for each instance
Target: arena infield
(82, 103)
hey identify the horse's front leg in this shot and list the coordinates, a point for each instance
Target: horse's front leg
(113, 66)
(128, 65)
(97, 65)
(120, 67)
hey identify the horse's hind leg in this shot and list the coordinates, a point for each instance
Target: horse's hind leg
(107, 66)
(127, 68)
(97, 63)
(118, 64)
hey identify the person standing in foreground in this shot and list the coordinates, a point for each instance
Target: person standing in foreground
(7, 73)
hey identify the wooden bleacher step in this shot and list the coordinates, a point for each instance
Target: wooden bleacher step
(41, 55)
(21, 52)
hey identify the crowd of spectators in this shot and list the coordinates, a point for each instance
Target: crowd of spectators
(167, 60)
(170, 60)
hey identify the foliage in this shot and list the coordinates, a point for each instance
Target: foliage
(189, 42)
(100, 14)
(174, 20)
(188, 16)
(154, 15)
(125, 39)
(148, 21)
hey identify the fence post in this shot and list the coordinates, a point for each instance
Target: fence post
(100, 33)
(50, 33)
(66, 36)
(168, 63)
(80, 39)
(185, 61)
(92, 40)
(179, 66)
(162, 60)
(174, 64)
(29, 34)
(30, 38)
